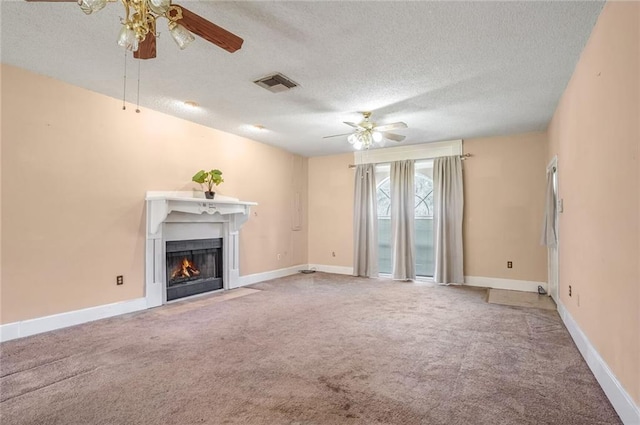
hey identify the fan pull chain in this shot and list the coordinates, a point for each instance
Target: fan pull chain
(124, 87)
(138, 97)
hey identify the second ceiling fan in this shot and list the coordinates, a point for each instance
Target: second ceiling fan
(138, 32)
(368, 132)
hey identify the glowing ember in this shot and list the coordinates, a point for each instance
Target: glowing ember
(185, 269)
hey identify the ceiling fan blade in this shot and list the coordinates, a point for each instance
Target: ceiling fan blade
(210, 31)
(394, 137)
(146, 49)
(352, 124)
(392, 126)
(54, 1)
(337, 135)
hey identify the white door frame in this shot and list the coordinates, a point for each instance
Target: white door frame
(553, 258)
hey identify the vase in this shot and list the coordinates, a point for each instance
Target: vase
(209, 195)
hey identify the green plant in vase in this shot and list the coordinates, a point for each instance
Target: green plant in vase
(208, 178)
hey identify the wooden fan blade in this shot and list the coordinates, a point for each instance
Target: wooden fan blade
(210, 31)
(337, 135)
(394, 137)
(146, 49)
(392, 126)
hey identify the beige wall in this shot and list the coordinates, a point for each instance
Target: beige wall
(504, 189)
(75, 169)
(595, 133)
(331, 210)
(504, 200)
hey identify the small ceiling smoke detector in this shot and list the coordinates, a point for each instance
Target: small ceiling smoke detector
(276, 83)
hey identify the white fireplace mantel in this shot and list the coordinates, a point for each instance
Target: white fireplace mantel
(181, 215)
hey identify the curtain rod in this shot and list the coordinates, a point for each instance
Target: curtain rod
(462, 157)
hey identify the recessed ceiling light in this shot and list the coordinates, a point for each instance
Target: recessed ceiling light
(191, 104)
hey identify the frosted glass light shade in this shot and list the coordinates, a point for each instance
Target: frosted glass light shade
(159, 7)
(128, 39)
(377, 136)
(180, 35)
(89, 6)
(358, 145)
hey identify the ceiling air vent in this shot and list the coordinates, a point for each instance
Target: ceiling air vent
(276, 83)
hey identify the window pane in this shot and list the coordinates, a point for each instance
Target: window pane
(423, 219)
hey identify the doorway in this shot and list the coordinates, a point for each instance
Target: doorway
(552, 250)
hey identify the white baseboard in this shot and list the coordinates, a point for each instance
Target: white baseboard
(272, 274)
(331, 269)
(622, 402)
(38, 325)
(57, 321)
(499, 283)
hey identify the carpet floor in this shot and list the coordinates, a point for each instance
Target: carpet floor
(308, 349)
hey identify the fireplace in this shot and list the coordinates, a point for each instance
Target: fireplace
(178, 223)
(193, 267)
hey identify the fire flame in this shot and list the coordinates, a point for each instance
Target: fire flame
(185, 269)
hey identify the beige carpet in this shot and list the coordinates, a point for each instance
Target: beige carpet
(520, 299)
(308, 349)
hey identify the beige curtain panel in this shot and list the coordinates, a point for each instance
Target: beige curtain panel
(402, 219)
(447, 219)
(549, 236)
(365, 223)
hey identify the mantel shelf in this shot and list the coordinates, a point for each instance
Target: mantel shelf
(161, 204)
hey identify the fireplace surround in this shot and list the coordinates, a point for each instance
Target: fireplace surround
(174, 218)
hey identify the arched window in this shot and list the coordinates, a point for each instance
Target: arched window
(423, 197)
(423, 213)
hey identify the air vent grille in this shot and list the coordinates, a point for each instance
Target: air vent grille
(276, 83)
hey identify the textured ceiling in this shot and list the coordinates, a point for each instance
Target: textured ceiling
(449, 70)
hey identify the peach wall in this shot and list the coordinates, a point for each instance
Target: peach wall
(75, 169)
(331, 210)
(0, 195)
(504, 200)
(504, 189)
(595, 133)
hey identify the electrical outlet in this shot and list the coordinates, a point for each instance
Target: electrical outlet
(120, 280)
(333, 253)
(279, 256)
(569, 290)
(509, 264)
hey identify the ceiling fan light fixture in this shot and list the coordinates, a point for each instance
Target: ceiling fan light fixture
(180, 35)
(352, 138)
(128, 39)
(377, 136)
(90, 6)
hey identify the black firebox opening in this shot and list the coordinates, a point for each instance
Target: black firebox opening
(193, 267)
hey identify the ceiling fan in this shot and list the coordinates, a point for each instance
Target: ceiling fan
(367, 132)
(138, 32)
